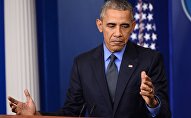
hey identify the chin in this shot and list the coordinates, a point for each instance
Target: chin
(117, 49)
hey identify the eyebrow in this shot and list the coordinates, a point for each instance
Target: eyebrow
(120, 24)
(114, 24)
(111, 23)
(125, 24)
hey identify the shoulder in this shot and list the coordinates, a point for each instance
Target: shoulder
(91, 54)
(145, 52)
(148, 59)
(144, 56)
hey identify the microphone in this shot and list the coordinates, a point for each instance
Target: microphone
(92, 109)
(82, 109)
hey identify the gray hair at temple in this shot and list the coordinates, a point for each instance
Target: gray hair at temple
(121, 5)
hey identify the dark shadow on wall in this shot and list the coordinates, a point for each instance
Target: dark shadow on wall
(48, 54)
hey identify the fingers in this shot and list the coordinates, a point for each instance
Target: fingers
(144, 77)
(27, 94)
(12, 104)
(16, 106)
(13, 107)
(13, 100)
(146, 94)
(147, 84)
(146, 88)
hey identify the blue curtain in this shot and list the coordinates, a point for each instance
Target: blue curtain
(180, 29)
(2, 61)
(48, 54)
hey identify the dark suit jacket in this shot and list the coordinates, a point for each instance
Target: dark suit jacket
(88, 86)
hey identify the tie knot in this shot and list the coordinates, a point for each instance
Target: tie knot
(112, 58)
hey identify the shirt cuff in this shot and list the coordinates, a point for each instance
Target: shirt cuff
(154, 111)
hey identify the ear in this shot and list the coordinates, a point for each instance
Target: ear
(99, 24)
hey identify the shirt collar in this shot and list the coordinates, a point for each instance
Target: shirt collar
(107, 53)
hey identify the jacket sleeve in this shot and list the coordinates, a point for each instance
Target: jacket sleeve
(158, 76)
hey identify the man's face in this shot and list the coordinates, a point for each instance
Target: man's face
(116, 27)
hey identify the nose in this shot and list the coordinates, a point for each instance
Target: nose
(118, 32)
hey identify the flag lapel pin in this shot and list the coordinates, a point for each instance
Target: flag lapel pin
(130, 66)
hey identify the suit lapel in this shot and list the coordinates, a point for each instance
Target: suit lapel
(98, 67)
(128, 65)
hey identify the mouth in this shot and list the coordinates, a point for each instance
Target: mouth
(117, 42)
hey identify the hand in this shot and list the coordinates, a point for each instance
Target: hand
(147, 90)
(20, 108)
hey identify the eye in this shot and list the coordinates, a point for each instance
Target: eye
(111, 25)
(125, 26)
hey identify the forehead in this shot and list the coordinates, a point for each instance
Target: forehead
(117, 15)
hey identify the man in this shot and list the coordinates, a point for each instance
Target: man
(116, 79)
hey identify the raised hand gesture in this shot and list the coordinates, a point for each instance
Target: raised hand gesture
(21, 108)
(147, 90)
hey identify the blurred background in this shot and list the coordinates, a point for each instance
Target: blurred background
(40, 38)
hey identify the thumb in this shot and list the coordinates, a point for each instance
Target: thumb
(27, 94)
(143, 75)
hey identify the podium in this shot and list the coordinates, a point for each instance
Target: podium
(20, 116)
